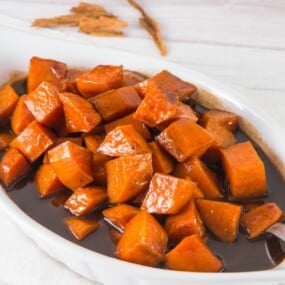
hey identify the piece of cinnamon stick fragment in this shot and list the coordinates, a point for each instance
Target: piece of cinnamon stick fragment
(151, 26)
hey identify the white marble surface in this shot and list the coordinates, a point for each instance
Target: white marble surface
(239, 42)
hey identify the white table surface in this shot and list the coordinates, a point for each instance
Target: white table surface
(239, 42)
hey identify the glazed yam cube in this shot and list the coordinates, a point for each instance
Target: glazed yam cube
(192, 254)
(185, 223)
(70, 80)
(184, 138)
(5, 139)
(72, 164)
(225, 119)
(21, 116)
(117, 103)
(47, 182)
(156, 107)
(99, 169)
(167, 194)
(81, 227)
(168, 82)
(128, 176)
(85, 199)
(162, 162)
(129, 120)
(80, 116)
(120, 215)
(13, 166)
(49, 70)
(261, 218)
(131, 77)
(92, 141)
(100, 79)
(123, 140)
(44, 104)
(8, 102)
(244, 171)
(144, 241)
(221, 218)
(34, 141)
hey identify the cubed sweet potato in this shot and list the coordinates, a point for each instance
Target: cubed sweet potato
(244, 171)
(5, 139)
(131, 77)
(116, 103)
(72, 164)
(49, 70)
(221, 218)
(192, 254)
(167, 194)
(70, 80)
(261, 218)
(184, 138)
(92, 141)
(100, 79)
(144, 241)
(80, 116)
(127, 176)
(8, 102)
(34, 141)
(99, 169)
(13, 166)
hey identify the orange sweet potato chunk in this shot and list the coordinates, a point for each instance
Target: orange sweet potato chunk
(80, 116)
(100, 79)
(47, 182)
(8, 102)
(123, 140)
(132, 77)
(5, 139)
(85, 199)
(128, 176)
(221, 218)
(70, 80)
(167, 194)
(244, 171)
(185, 223)
(92, 141)
(144, 241)
(192, 254)
(184, 138)
(34, 141)
(99, 169)
(21, 116)
(13, 166)
(120, 215)
(261, 218)
(117, 103)
(49, 70)
(72, 164)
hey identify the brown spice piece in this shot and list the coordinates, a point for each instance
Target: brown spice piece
(65, 20)
(92, 10)
(151, 26)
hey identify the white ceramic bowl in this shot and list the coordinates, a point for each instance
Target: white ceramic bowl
(15, 51)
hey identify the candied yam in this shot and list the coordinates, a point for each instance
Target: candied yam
(34, 141)
(129, 120)
(192, 254)
(123, 140)
(128, 176)
(162, 162)
(117, 103)
(185, 223)
(46, 181)
(221, 218)
(72, 164)
(8, 102)
(114, 235)
(70, 80)
(5, 139)
(80, 116)
(13, 166)
(85, 199)
(156, 107)
(144, 241)
(98, 167)
(120, 215)
(261, 218)
(244, 171)
(49, 70)
(81, 227)
(44, 104)
(92, 141)
(167, 194)
(100, 79)
(184, 138)
(131, 77)
(168, 82)
(21, 116)
(225, 119)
